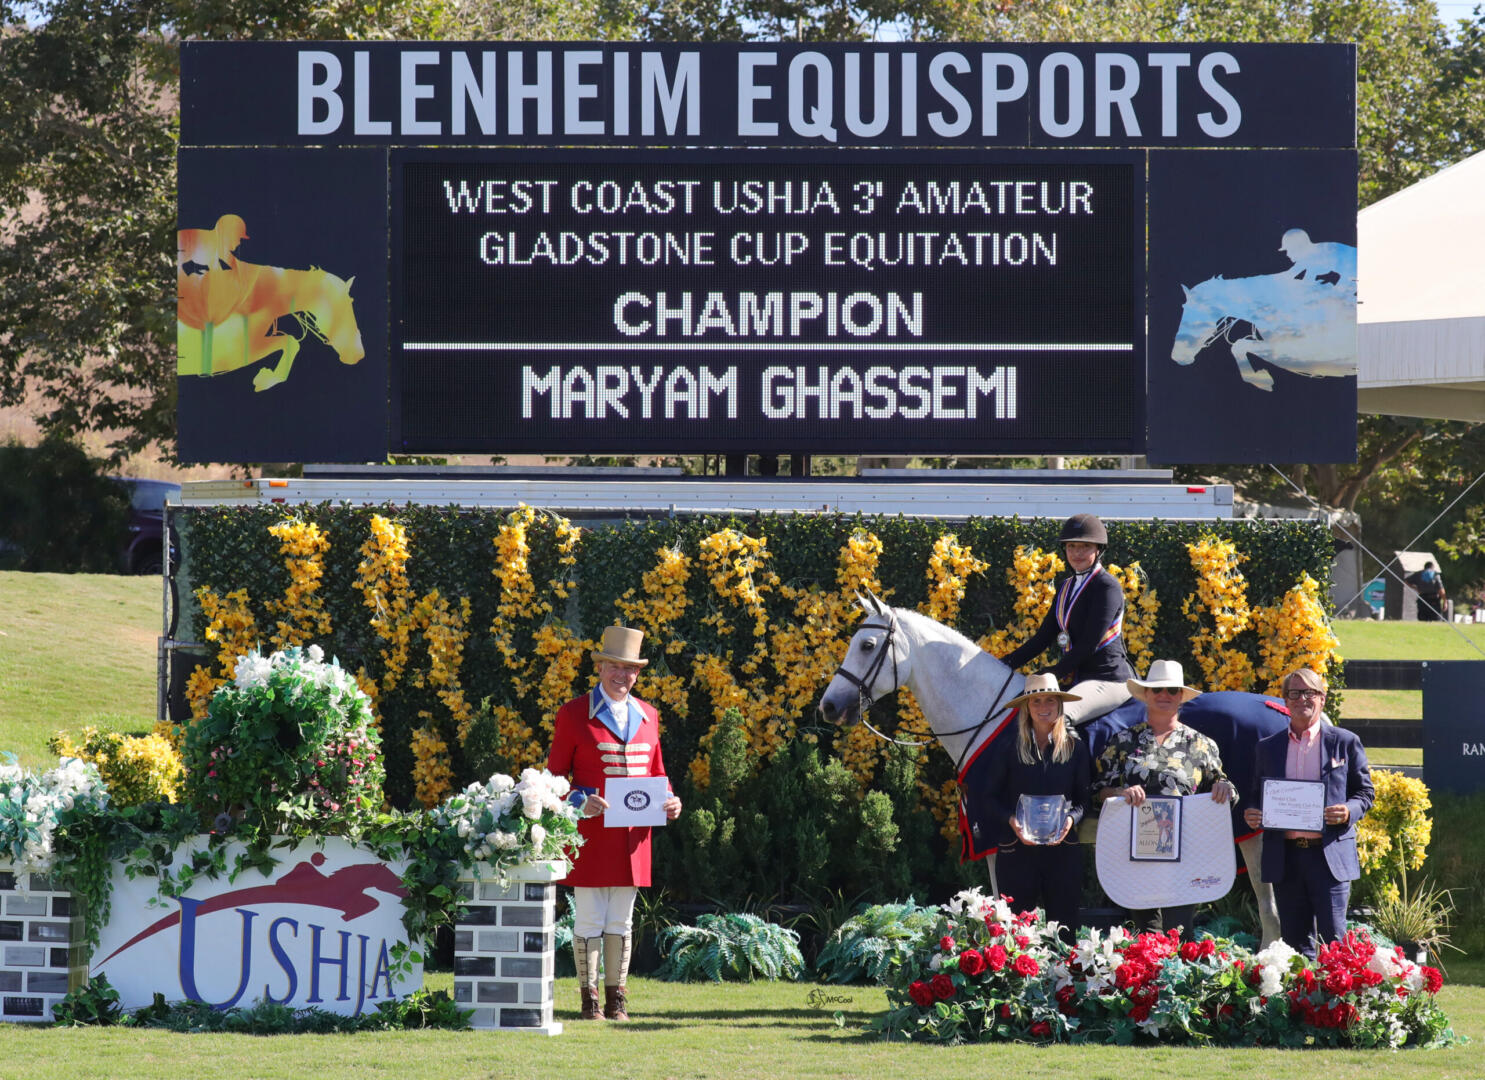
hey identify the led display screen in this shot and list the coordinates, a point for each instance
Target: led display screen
(622, 301)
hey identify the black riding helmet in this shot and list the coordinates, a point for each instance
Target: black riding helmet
(1084, 528)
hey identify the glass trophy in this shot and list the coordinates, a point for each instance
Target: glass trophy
(1041, 817)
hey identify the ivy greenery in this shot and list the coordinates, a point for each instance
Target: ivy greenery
(420, 1009)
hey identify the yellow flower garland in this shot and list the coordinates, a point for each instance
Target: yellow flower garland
(231, 624)
(1141, 610)
(1292, 634)
(1219, 608)
(433, 778)
(302, 615)
(1033, 573)
(381, 579)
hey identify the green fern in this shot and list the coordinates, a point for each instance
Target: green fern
(733, 946)
(868, 945)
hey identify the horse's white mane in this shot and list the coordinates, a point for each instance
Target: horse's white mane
(944, 666)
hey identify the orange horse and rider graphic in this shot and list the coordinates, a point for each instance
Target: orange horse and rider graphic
(228, 311)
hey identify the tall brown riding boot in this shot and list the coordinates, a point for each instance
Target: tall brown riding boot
(615, 1003)
(591, 1011)
(585, 956)
(615, 974)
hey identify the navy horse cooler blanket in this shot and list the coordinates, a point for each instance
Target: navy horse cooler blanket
(1234, 721)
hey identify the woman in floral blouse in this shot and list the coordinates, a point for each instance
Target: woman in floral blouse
(1161, 756)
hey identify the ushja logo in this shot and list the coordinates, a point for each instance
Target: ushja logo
(345, 891)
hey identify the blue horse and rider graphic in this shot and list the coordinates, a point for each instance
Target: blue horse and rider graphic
(1301, 319)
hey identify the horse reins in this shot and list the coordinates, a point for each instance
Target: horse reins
(863, 688)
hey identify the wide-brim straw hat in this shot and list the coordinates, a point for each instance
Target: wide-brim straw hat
(1163, 673)
(1043, 685)
(621, 645)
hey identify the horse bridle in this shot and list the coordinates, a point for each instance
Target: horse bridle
(1223, 330)
(862, 683)
(863, 689)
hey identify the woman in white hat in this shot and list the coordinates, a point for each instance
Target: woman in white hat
(1161, 756)
(1046, 759)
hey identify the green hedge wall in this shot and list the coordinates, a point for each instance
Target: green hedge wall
(765, 829)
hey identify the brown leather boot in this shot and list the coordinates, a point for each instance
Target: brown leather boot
(591, 1011)
(615, 1003)
(585, 954)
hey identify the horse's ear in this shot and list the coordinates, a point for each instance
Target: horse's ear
(1186, 291)
(863, 602)
(350, 281)
(875, 601)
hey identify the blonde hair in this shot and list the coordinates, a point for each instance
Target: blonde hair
(1061, 742)
(1312, 679)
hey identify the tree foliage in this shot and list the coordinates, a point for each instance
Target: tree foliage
(87, 177)
(1420, 106)
(87, 180)
(1418, 100)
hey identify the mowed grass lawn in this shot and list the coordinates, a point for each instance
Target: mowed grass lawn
(759, 1031)
(75, 649)
(80, 649)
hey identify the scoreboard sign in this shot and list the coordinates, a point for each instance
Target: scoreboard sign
(784, 300)
(876, 249)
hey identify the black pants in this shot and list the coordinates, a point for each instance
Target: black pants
(1047, 876)
(1430, 608)
(1159, 920)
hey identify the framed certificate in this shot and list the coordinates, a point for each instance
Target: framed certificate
(1155, 830)
(1294, 804)
(635, 800)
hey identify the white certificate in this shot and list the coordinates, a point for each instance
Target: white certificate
(635, 800)
(1294, 804)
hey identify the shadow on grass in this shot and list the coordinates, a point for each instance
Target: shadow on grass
(769, 1018)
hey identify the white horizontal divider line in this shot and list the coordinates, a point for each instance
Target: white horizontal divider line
(762, 345)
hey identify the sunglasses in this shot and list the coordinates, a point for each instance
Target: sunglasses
(1173, 690)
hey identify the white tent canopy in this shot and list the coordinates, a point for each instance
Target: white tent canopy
(1421, 285)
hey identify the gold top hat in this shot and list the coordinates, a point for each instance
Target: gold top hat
(1043, 685)
(621, 645)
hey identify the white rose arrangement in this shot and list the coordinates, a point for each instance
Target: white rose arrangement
(504, 822)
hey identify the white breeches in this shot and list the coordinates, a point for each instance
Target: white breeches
(608, 910)
(1098, 698)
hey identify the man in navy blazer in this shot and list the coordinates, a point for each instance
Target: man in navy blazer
(1312, 870)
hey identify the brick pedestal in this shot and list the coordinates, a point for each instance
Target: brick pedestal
(41, 952)
(504, 949)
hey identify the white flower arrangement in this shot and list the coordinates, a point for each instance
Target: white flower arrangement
(505, 822)
(33, 807)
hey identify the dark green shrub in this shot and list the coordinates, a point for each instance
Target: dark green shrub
(59, 512)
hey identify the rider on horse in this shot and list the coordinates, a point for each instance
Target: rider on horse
(1087, 623)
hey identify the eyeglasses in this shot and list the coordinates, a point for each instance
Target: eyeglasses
(1304, 695)
(1174, 690)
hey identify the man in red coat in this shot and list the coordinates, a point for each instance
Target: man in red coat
(607, 733)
